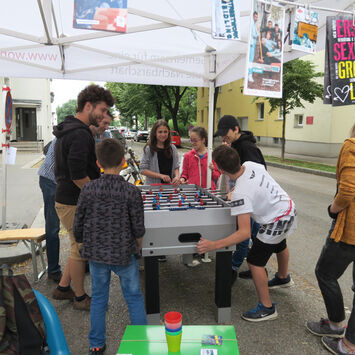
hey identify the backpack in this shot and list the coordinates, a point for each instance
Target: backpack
(22, 329)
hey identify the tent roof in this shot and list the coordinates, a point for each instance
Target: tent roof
(168, 42)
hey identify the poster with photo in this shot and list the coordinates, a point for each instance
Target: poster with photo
(226, 19)
(105, 15)
(305, 30)
(263, 76)
(339, 71)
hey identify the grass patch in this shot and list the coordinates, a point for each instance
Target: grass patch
(301, 163)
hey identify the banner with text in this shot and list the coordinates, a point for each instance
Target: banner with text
(109, 15)
(339, 70)
(263, 76)
(226, 19)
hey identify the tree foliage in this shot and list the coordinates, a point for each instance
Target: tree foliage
(145, 102)
(68, 108)
(299, 84)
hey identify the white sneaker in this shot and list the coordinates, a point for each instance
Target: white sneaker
(193, 263)
(250, 78)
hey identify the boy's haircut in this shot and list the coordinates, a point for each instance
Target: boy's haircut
(109, 153)
(94, 94)
(226, 158)
(201, 132)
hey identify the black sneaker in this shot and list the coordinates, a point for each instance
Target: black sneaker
(333, 345)
(322, 328)
(260, 313)
(277, 282)
(97, 350)
(55, 276)
(247, 274)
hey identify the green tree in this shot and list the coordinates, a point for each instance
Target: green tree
(68, 108)
(299, 84)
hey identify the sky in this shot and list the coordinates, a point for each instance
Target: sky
(65, 90)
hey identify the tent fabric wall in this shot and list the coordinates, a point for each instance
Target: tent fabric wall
(168, 43)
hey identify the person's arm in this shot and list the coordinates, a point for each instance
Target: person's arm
(185, 172)
(136, 214)
(140, 243)
(81, 182)
(215, 172)
(243, 233)
(78, 226)
(176, 179)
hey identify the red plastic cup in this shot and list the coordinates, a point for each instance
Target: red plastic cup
(173, 325)
(173, 317)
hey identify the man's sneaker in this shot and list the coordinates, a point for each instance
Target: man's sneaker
(322, 328)
(97, 350)
(334, 346)
(63, 295)
(83, 305)
(260, 313)
(277, 282)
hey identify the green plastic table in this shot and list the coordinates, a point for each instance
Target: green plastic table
(150, 340)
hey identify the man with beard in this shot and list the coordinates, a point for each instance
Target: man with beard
(75, 164)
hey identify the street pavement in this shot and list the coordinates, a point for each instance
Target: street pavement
(191, 290)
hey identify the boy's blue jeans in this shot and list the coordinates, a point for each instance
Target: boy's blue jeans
(243, 247)
(100, 280)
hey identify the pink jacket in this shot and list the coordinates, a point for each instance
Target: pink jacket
(194, 170)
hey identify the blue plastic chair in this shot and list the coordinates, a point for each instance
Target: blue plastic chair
(55, 335)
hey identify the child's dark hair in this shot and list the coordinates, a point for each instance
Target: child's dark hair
(94, 94)
(152, 142)
(109, 153)
(226, 159)
(201, 132)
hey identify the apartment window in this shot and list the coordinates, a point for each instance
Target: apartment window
(260, 111)
(276, 140)
(280, 117)
(201, 116)
(298, 121)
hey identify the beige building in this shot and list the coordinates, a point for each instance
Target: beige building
(32, 118)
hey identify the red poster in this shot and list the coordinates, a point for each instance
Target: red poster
(309, 120)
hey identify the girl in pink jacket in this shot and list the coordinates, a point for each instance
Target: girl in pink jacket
(194, 169)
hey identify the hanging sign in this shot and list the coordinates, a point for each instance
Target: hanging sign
(339, 70)
(263, 76)
(106, 15)
(305, 30)
(8, 110)
(226, 19)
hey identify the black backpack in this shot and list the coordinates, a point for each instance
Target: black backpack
(22, 329)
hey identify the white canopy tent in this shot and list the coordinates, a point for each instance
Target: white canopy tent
(168, 42)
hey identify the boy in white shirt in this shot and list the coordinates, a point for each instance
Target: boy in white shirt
(259, 196)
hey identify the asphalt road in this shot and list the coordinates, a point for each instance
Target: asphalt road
(191, 291)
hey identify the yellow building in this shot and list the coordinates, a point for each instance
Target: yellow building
(316, 129)
(253, 115)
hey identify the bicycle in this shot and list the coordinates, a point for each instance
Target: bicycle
(131, 168)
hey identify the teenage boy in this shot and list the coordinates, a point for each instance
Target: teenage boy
(75, 165)
(244, 143)
(109, 222)
(256, 195)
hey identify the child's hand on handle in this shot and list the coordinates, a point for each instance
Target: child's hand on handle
(176, 181)
(205, 245)
(165, 178)
(211, 166)
(183, 181)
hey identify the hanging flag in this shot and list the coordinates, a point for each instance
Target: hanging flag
(226, 19)
(107, 15)
(305, 30)
(339, 71)
(263, 76)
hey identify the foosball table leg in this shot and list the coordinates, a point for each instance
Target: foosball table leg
(152, 296)
(223, 286)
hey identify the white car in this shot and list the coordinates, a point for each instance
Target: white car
(129, 134)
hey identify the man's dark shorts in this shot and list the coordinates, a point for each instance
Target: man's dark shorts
(260, 252)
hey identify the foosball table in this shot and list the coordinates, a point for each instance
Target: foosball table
(175, 220)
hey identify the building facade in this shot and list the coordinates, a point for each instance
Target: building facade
(32, 117)
(315, 129)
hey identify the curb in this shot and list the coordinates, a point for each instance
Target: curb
(302, 170)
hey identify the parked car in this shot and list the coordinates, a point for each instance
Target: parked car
(141, 136)
(117, 135)
(175, 138)
(129, 134)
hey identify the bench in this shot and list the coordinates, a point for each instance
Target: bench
(33, 236)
